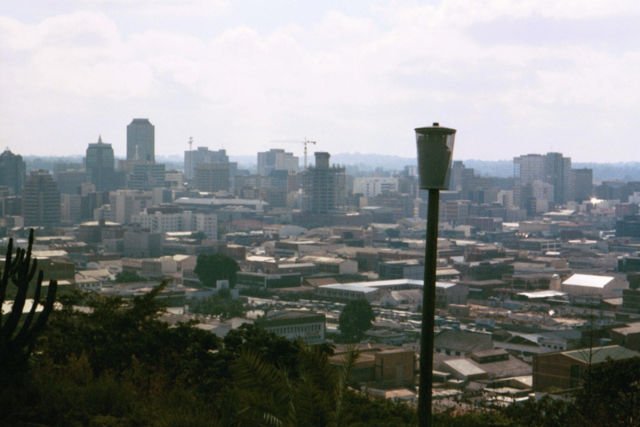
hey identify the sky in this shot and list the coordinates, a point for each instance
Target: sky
(512, 76)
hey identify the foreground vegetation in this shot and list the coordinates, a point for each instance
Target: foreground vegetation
(120, 365)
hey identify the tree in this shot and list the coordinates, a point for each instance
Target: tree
(356, 317)
(126, 276)
(211, 268)
(311, 394)
(220, 304)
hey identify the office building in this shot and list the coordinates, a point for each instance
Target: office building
(70, 181)
(126, 203)
(532, 169)
(557, 172)
(277, 159)
(581, 184)
(170, 218)
(141, 141)
(212, 177)
(99, 164)
(372, 186)
(202, 155)
(12, 171)
(147, 175)
(324, 186)
(41, 200)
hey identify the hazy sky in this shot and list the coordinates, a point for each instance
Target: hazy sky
(513, 77)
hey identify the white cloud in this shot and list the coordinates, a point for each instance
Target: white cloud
(355, 83)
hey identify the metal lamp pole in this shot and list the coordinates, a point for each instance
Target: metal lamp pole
(435, 148)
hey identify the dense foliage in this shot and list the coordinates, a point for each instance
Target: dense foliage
(128, 277)
(119, 364)
(221, 304)
(211, 268)
(355, 319)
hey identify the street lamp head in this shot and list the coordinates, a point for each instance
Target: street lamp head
(435, 150)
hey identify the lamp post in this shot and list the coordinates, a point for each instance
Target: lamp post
(435, 149)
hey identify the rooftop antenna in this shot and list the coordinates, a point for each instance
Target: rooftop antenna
(190, 143)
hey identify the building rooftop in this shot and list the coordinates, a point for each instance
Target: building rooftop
(542, 294)
(353, 287)
(631, 328)
(601, 354)
(465, 367)
(589, 280)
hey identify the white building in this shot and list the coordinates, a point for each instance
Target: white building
(159, 222)
(126, 203)
(382, 290)
(277, 159)
(372, 186)
(588, 287)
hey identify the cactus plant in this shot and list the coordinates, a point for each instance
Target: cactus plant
(16, 336)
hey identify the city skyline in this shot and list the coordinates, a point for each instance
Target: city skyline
(512, 77)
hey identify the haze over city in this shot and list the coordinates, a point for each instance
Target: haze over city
(512, 77)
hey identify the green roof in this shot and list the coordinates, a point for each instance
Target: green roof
(601, 354)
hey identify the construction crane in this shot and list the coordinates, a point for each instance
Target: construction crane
(306, 143)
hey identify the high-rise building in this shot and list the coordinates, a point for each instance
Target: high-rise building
(12, 171)
(41, 200)
(99, 164)
(70, 181)
(324, 186)
(557, 170)
(212, 177)
(126, 203)
(202, 155)
(581, 183)
(141, 141)
(146, 176)
(277, 159)
(550, 168)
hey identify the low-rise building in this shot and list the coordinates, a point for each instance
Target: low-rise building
(565, 370)
(589, 287)
(293, 324)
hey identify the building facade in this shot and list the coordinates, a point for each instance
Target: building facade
(293, 324)
(372, 186)
(41, 200)
(324, 186)
(212, 177)
(141, 140)
(100, 166)
(202, 155)
(12, 171)
(277, 159)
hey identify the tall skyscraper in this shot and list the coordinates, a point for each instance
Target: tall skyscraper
(277, 159)
(100, 164)
(12, 171)
(324, 186)
(41, 200)
(557, 170)
(141, 141)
